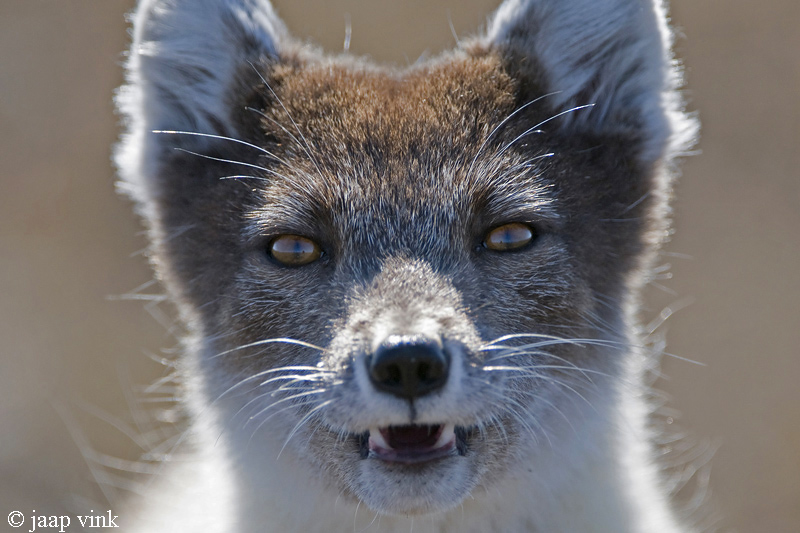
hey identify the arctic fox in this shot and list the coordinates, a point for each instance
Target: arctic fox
(411, 294)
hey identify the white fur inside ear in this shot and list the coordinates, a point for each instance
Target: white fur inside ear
(185, 54)
(182, 64)
(614, 54)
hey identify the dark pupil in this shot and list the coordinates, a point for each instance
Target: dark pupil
(292, 249)
(509, 237)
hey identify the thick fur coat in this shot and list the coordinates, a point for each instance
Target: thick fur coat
(411, 294)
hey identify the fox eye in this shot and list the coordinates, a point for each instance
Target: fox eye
(294, 250)
(509, 237)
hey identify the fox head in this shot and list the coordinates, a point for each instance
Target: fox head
(397, 276)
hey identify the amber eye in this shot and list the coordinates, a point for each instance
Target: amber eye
(294, 250)
(508, 237)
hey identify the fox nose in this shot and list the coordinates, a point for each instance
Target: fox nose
(408, 366)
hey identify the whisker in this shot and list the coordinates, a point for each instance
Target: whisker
(302, 421)
(281, 126)
(551, 341)
(295, 379)
(223, 160)
(242, 163)
(534, 129)
(307, 147)
(223, 138)
(244, 176)
(263, 373)
(547, 402)
(503, 122)
(284, 340)
(282, 400)
(515, 368)
(272, 394)
(503, 403)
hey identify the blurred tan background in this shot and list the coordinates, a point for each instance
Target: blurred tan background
(69, 245)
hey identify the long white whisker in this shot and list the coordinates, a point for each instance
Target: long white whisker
(307, 147)
(271, 341)
(546, 337)
(281, 389)
(244, 176)
(503, 403)
(547, 402)
(223, 138)
(302, 421)
(282, 127)
(263, 373)
(580, 342)
(503, 122)
(514, 368)
(223, 160)
(234, 162)
(535, 129)
(294, 378)
(304, 394)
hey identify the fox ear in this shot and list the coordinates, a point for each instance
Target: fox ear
(185, 55)
(611, 54)
(181, 75)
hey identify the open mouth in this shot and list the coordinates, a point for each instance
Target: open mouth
(413, 444)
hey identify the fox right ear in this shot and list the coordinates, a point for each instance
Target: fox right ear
(612, 54)
(181, 71)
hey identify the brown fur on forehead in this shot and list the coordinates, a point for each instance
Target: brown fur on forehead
(383, 129)
(344, 101)
(410, 137)
(353, 137)
(337, 115)
(351, 144)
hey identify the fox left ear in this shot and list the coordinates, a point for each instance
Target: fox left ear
(181, 75)
(613, 54)
(185, 55)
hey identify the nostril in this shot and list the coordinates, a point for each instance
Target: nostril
(408, 367)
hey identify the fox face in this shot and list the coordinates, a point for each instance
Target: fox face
(405, 280)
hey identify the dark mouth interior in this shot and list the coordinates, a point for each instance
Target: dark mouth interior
(410, 438)
(413, 444)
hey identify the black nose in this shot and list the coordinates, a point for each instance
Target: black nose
(408, 367)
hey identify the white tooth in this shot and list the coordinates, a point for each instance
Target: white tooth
(377, 439)
(448, 434)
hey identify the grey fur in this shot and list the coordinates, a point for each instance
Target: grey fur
(399, 176)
